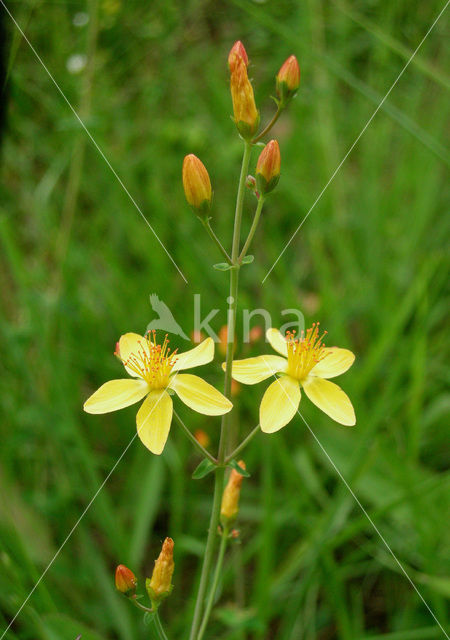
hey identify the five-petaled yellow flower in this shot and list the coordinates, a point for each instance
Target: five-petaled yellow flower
(155, 371)
(306, 363)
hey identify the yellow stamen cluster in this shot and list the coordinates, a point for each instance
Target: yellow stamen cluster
(153, 362)
(304, 352)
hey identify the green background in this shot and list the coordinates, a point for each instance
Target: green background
(78, 264)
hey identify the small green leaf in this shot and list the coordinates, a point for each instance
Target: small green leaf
(248, 259)
(205, 467)
(222, 266)
(234, 465)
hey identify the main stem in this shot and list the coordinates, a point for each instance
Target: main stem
(220, 471)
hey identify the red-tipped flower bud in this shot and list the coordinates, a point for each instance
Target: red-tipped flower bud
(160, 584)
(126, 581)
(237, 50)
(197, 185)
(288, 80)
(268, 167)
(230, 499)
(246, 116)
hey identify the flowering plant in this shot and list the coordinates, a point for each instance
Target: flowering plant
(304, 362)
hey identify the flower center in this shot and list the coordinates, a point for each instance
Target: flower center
(153, 362)
(304, 352)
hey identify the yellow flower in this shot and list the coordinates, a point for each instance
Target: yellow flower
(306, 363)
(155, 371)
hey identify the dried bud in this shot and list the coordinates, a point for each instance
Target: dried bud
(160, 584)
(246, 116)
(250, 183)
(197, 185)
(288, 80)
(126, 581)
(268, 167)
(237, 50)
(230, 498)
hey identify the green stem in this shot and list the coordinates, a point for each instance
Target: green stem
(220, 471)
(252, 229)
(216, 240)
(141, 606)
(269, 126)
(212, 593)
(193, 439)
(158, 627)
(243, 444)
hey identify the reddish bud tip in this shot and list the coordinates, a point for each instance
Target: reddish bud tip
(237, 50)
(126, 581)
(288, 79)
(197, 185)
(268, 167)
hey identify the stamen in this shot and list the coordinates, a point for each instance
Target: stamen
(305, 352)
(152, 361)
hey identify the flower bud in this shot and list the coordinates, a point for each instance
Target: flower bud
(197, 185)
(160, 584)
(237, 50)
(246, 116)
(230, 498)
(268, 167)
(126, 581)
(288, 80)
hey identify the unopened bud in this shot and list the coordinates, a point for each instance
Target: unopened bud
(268, 167)
(126, 581)
(288, 80)
(160, 584)
(197, 185)
(231, 494)
(246, 116)
(237, 50)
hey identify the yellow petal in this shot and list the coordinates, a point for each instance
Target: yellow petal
(330, 399)
(201, 354)
(279, 404)
(132, 343)
(277, 341)
(116, 394)
(199, 395)
(253, 370)
(335, 362)
(153, 420)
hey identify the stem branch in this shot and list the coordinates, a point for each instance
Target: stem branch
(252, 229)
(193, 439)
(243, 444)
(216, 240)
(269, 126)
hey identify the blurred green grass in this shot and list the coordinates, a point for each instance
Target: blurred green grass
(78, 264)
